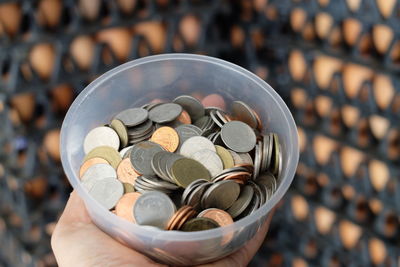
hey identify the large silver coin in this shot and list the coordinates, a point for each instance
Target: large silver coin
(133, 116)
(101, 136)
(97, 172)
(107, 191)
(141, 156)
(165, 112)
(154, 209)
(191, 105)
(242, 112)
(194, 144)
(238, 136)
(221, 195)
(210, 160)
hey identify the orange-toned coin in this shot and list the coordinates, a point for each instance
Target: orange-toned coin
(258, 119)
(185, 117)
(125, 172)
(190, 214)
(90, 162)
(166, 137)
(221, 217)
(214, 100)
(177, 217)
(124, 207)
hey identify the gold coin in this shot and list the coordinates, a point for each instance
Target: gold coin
(125, 172)
(88, 163)
(225, 156)
(185, 171)
(128, 188)
(105, 152)
(166, 137)
(121, 131)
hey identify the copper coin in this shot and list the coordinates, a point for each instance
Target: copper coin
(87, 164)
(214, 100)
(184, 117)
(125, 172)
(124, 207)
(221, 217)
(258, 119)
(177, 217)
(189, 215)
(241, 176)
(166, 137)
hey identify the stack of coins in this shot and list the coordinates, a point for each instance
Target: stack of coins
(182, 166)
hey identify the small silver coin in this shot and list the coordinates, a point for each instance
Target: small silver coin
(107, 192)
(257, 162)
(101, 136)
(246, 158)
(168, 165)
(242, 112)
(154, 209)
(185, 131)
(216, 119)
(149, 106)
(265, 153)
(165, 112)
(244, 199)
(188, 190)
(155, 163)
(220, 195)
(203, 122)
(97, 172)
(133, 116)
(210, 160)
(270, 150)
(238, 136)
(194, 144)
(236, 158)
(141, 129)
(191, 105)
(194, 198)
(124, 151)
(141, 156)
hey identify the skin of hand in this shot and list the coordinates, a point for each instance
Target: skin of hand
(76, 241)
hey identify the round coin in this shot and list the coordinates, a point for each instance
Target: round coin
(242, 202)
(167, 137)
(100, 136)
(87, 164)
(244, 113)
(97, 172)
(141, 156)
(220, 216)
(107, 192)
(126, 150)
(128, 188)
(154, 209)
(225, 156)
(120, 128)
(184, 117)
(125, 172)
(214, 100)
(105, 152)
(238, 136)
(199, 224)
(221, 195)
(165, 112)
(210, 160)
(124, 207)
(191, 105)
(185, 171)
(133, 116)
(194, 144)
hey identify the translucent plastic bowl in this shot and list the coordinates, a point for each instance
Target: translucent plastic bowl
(167, 76)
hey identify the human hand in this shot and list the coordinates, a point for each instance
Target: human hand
(76, 241)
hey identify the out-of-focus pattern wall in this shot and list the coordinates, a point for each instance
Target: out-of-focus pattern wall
(336, 63)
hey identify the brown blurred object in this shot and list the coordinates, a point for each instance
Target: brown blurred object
(299, 207)
(36, 187)
(42, 58)
(190, 29)
(10, 17)
(49, 12)
(82, 51)
(154, 32)
(127, 6)
(119, 40)
(62, 96)
(382, 36)
(89, 8)
(25, 105)
(51, 143)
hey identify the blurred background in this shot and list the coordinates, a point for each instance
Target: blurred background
(336, 63)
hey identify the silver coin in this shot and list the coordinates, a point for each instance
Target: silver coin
(278, 175)
(242, 202)
(168, 165)
(236, 158)
(155, 163)
(141, 156)
(246, 158)
(257, 162)
(124, 151)
(210, 160)
(191, 105)
(141, 129)
(154, 209)
(157, 182)
(185, 131)
(203, 122)
(216, 119)
(140, 139)
(222, 116)
(97, 172)
(238, 136)
(194, 198)
(263, 165)
(194, 144)
(257, 190)
(165, 112)
(270, 150)
(242, 112)
(101, 136)
(133, 116)
(188, 190)
(149, 106)
(107, 191)
(220, 195)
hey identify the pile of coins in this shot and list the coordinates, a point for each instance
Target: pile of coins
(182, 166)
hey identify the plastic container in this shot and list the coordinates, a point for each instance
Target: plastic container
(167, 76)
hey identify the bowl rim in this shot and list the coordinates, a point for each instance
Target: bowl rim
(178, 235)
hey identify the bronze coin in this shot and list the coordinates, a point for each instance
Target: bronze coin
(184, 117)
(125, 172)
(166, 137)
(220, 216)
(124, 207)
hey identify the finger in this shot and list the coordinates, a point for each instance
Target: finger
(75, 211)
